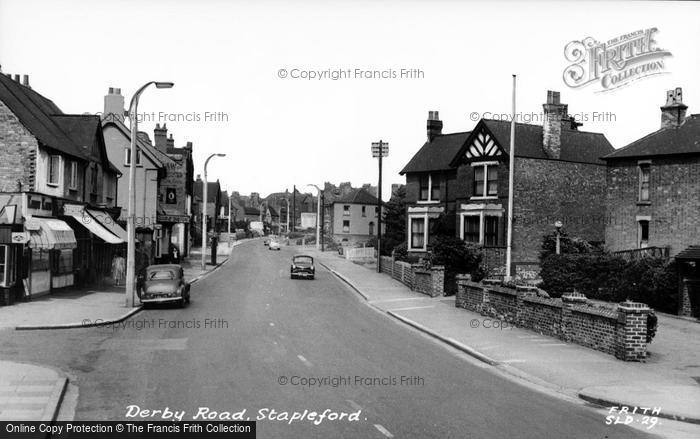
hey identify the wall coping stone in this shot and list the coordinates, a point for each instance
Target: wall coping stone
(630, 307)
(573, 298)
(501, 290)
(543, 301)
(607, 313)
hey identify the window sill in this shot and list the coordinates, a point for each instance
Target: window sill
(643, 203)
(490, 197)
(73, 189)
(52, 184)
(428, 202)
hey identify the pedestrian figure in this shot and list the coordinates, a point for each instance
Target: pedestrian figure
(118, 269)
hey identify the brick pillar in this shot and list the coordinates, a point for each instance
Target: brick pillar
(568, 301)
(461, 296)
(631, 331)
(437, 278)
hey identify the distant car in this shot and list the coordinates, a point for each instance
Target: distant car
(302, 266)
(266, 241)
(165, 283)
(274, 245)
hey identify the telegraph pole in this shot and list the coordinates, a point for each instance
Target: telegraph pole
(294, 209)
(379, 149)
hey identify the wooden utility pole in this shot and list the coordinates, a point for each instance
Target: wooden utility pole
(379, 149)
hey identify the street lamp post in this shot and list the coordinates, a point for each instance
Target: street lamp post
(287, 224)
(318, 217)
(131, 222)
(204, 210)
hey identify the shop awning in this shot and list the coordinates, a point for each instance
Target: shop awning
(106, 220)
(50, 234)
(96, 227)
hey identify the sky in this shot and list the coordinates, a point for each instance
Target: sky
(242, 73)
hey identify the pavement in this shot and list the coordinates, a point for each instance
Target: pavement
(29, 392)
(32, 392)
(669, 379)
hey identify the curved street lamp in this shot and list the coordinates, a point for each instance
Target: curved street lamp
(204, 210)
(130, 224)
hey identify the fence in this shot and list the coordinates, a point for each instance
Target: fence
(359, 253)
(638, 253)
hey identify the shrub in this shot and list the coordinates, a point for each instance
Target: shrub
(457, 256)
(652, 325)
(608, 277)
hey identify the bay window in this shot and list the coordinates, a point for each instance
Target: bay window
(482, 227)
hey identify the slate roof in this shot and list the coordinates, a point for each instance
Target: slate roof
(251, 210)
(438, 154)
(158, 158)
(445, 150)
(357, 196)
(667, 141)
(690, 253)
(36, 114)
(576, 146)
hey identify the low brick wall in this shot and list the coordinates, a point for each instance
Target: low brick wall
(430, 281)
(620, 331)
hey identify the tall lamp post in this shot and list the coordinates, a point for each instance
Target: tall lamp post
(204, 210)
(131, 222)
(319, 225)
(287, 224)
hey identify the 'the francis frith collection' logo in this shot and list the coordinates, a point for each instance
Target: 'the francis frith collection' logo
(616, 62)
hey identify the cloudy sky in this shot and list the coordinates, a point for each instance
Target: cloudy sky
(226, 59)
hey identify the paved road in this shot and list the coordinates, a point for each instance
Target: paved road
(266, 326)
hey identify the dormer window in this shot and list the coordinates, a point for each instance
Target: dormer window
(429, 188)
(485, 183)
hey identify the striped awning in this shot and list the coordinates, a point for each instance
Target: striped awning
(49, 234)
(89, 220)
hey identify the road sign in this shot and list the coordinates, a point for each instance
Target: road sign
(20, 237)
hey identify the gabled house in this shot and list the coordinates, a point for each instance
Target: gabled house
(457, 184)
(57, 190)
(653, 196)
(354, 217)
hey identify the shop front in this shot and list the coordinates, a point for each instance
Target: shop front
(51, 245)
(12, 240)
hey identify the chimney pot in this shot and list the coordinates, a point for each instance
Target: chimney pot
(16, 77)
(111, 91)
(25, 80)
(118, 91)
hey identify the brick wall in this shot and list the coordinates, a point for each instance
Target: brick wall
(18, 149)
(549, 190)
(620, 332)
(674, 204)
(429, 281)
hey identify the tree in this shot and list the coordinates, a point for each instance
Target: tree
(394, 222)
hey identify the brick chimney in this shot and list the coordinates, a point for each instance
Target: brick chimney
(188, 146)
(555, 115)
(114, 105)
(673, 113)
(160, 137)
(434, 125)
(170, 142)
(25, 81)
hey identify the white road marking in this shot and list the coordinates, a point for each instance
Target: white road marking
(383, 431)
(412, 307)
(353, 404)
(306, 362)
